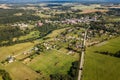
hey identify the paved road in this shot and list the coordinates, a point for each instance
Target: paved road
(82, 55)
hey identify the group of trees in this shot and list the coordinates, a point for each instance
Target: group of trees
(72, 74)
(9, 32)
(48, 28)
(114, 11)
(5, 75)
(9, 35)
(117, 54)
(106, 26)
(8, 16)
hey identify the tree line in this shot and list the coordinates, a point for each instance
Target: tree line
(5, 75)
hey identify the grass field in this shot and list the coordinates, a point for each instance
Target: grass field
(54, 33)
(83, 7)
(1, 78)
(33, 34)
(111, 46)
(14, 49)
(88, 8)
(42, 15)
(19, 71)
(52, 62)
(102, 67)
(113, 19)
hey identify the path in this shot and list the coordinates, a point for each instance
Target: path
(82, 55)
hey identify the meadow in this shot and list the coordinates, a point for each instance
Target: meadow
(102, 67)
(53, 62)
(89, 8)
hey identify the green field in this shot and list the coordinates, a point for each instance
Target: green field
(33, 34)
(102, 67)
(14, 49)
(19, 71)
(53, 62)
(83, 7)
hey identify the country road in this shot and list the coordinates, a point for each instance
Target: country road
(82, 55)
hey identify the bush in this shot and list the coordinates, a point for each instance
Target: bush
(5, 75)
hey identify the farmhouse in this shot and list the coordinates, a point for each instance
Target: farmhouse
(10, 59)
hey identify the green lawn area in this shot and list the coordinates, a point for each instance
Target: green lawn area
(52, 62)
(102, 67)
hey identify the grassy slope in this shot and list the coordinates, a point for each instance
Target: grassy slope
(102, 67)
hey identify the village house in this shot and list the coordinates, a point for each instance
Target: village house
(10, 59)
(39, 24)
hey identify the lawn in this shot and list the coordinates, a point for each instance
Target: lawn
(102, 67)
(53, 62)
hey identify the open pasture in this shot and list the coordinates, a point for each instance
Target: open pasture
(102, 67)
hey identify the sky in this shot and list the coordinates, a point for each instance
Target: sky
(60, 0)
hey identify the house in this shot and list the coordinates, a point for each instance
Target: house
(70, 52)
(10, 59)
(39, 24)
